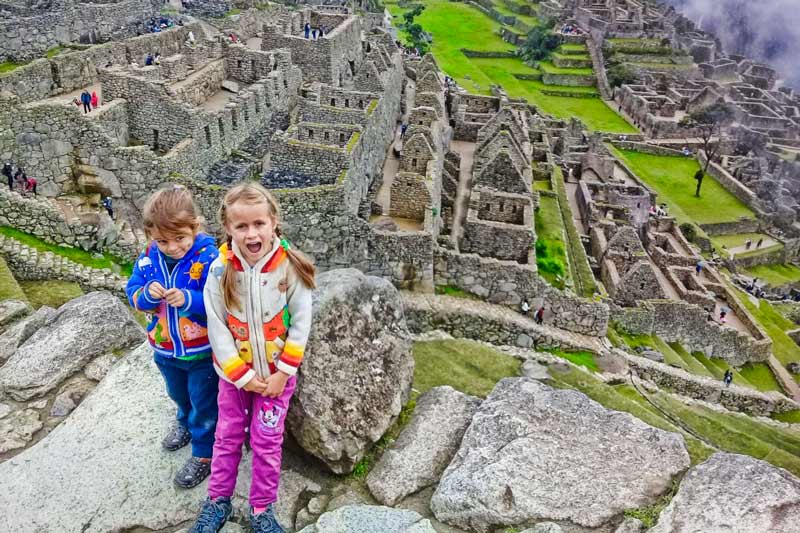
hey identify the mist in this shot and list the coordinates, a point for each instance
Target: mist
(764, 30)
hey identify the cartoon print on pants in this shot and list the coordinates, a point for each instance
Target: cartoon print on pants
(269, 415)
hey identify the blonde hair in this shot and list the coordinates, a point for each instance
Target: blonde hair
(170, 210)
(254, 193)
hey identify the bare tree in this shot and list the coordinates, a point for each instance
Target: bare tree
(709, 122)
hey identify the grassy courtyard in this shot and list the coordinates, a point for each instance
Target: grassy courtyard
(455, 25)
(551, 258)
(672, 177)
(775, 275)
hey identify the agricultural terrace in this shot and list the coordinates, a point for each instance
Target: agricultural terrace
(456, 26)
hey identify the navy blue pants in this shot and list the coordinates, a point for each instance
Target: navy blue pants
(192, 385)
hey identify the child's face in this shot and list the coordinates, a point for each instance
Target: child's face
(252, 228)
(174, 245)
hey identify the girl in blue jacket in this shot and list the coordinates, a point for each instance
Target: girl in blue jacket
(167, 284)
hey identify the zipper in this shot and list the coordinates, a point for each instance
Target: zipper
(254, 322)
(172, 311)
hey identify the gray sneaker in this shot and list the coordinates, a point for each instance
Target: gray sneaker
(192, 473)
(213, 515)
(265, 522)
(177, 438)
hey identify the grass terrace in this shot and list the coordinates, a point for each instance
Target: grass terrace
(74, 254)
(478, 31)
(776, 325)
(549, 67)
(775, 275)
(672, 177)
(503, 9)
(9, 288)
(551, 257)
(52, 293)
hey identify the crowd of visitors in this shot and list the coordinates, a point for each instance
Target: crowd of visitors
(17, 179)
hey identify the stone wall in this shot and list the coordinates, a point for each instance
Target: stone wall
(731, 184)
(42, 218)
(30, 31)
(508, 283)
(735, 398)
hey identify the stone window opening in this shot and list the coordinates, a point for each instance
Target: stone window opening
(488, 207)
(258, 105)
(310, 134)
(347, 102)
(274, 67)
(246, 116)
(361, 104)
(221, 128)
(155, 140)
(333, 102)
(414, 162)
(327, 136)
(234, 121)
(253, 66)
(285, 83)
(341, 137)
(502, 206)
(208, 136)
(239, 63)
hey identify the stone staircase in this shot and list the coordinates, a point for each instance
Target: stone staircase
(27, 263)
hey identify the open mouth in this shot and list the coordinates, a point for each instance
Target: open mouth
(253, 247)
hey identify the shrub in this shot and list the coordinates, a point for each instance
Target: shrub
(689, 231)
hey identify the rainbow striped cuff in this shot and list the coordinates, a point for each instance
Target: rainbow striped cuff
(236, 370)
(290, 358)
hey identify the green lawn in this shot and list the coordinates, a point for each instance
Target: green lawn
(50, 293)
(580, 358)
(569, 48)
(501, 8)
(9, 288)
(75, 254)
(465, 365)
(672, 177)
(478, 31)
(551, 257)
(736, 239)
(776, 325)
(775, 274)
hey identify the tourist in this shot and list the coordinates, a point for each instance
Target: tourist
(723, 315)
(167, 284)
(30, 185)
(9, 174)
(728, 377)
(253, 395)
(758, 244)
(314, 34)
(157, 59)
(19, 178)
(306, 29)
(94, 100)
(234, 38)
(539, 317)
(107, 202)
(698, 267)
(148, 60)
(190, 39)
(525, 307)
(747, 244)
(322, 31)
(403, 128)
(86, 100)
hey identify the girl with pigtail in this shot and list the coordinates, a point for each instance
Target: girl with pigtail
(258, 301)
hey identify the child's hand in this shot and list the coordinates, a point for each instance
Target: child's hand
(256, 385)
(156, 290)
(175, 297)
(275, 384)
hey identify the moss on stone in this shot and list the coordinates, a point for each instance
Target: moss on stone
(371, 107)
(352, 142)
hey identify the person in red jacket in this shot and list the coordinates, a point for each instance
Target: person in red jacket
(94, 100)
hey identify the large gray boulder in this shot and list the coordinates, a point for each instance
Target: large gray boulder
(20, 331)
(533, 453)
(357, 371)
(103, 468)
(734, 493)
(370, 519)
(425, 447)
(81, 329)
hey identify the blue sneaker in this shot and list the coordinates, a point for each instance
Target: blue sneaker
(213, 515)
(265, 522)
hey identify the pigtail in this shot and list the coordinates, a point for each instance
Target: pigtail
(228, 280)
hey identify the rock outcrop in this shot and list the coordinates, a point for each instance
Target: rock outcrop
(370, 519)
(103, 468)
(358, 368)
(736, 493)
(20, 331)
(425, 447)
(533, 453)
(81, 330)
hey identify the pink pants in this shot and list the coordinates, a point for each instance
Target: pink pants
(241, 412)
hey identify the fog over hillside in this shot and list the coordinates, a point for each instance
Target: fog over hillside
(767, 30)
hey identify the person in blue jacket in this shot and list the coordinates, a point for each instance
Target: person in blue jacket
(167, 284)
